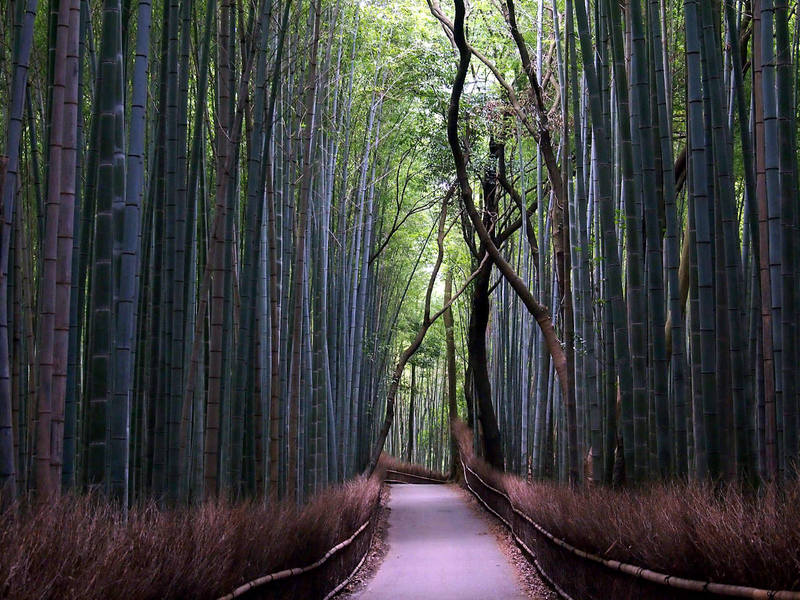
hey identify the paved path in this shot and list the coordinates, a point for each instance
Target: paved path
(439, 549)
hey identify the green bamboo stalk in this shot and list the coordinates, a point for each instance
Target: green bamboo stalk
(771, 213)
(609, 238)
(770, 463)
(703, 242)
(787, 165)
(108, 418)
(299, 271)
(222, 254)
(652, 201)
(66, 221)
(186, 449)
(47, 446)
(21, 58)
(634, 423)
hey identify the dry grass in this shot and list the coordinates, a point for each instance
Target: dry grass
(725, 535)
(392, 462)
(79, 547)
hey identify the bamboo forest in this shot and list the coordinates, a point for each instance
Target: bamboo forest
(391, 299)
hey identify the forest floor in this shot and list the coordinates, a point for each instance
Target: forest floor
(439, 546)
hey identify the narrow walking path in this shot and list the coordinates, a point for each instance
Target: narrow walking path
(439, 548)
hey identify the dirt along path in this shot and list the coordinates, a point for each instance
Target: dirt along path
(439, 548)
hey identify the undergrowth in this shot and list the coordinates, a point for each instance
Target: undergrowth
(726, 535)
(80, 547)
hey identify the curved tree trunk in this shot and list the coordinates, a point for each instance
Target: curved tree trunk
(452, 374)
(476, 348)
(536, 309)
(410, 446)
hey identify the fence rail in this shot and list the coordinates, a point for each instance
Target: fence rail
(297, 583)
(308, 581)
(574, 573)
(403, 477)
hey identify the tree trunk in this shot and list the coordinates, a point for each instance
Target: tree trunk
(411, 414)
(452, 374)
(478, 361)
(537, 310)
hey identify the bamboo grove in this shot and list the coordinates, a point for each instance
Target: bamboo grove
(660, 139)
(197, 198)
(219, 218)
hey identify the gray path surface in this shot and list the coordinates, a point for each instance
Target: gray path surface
(439, 548)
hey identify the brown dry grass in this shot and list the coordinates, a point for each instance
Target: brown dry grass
(725, 535)
(396, 464)
(79, 547)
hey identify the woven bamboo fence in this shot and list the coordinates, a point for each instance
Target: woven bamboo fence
(578, 575)
(323, 578)
(393, 476)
